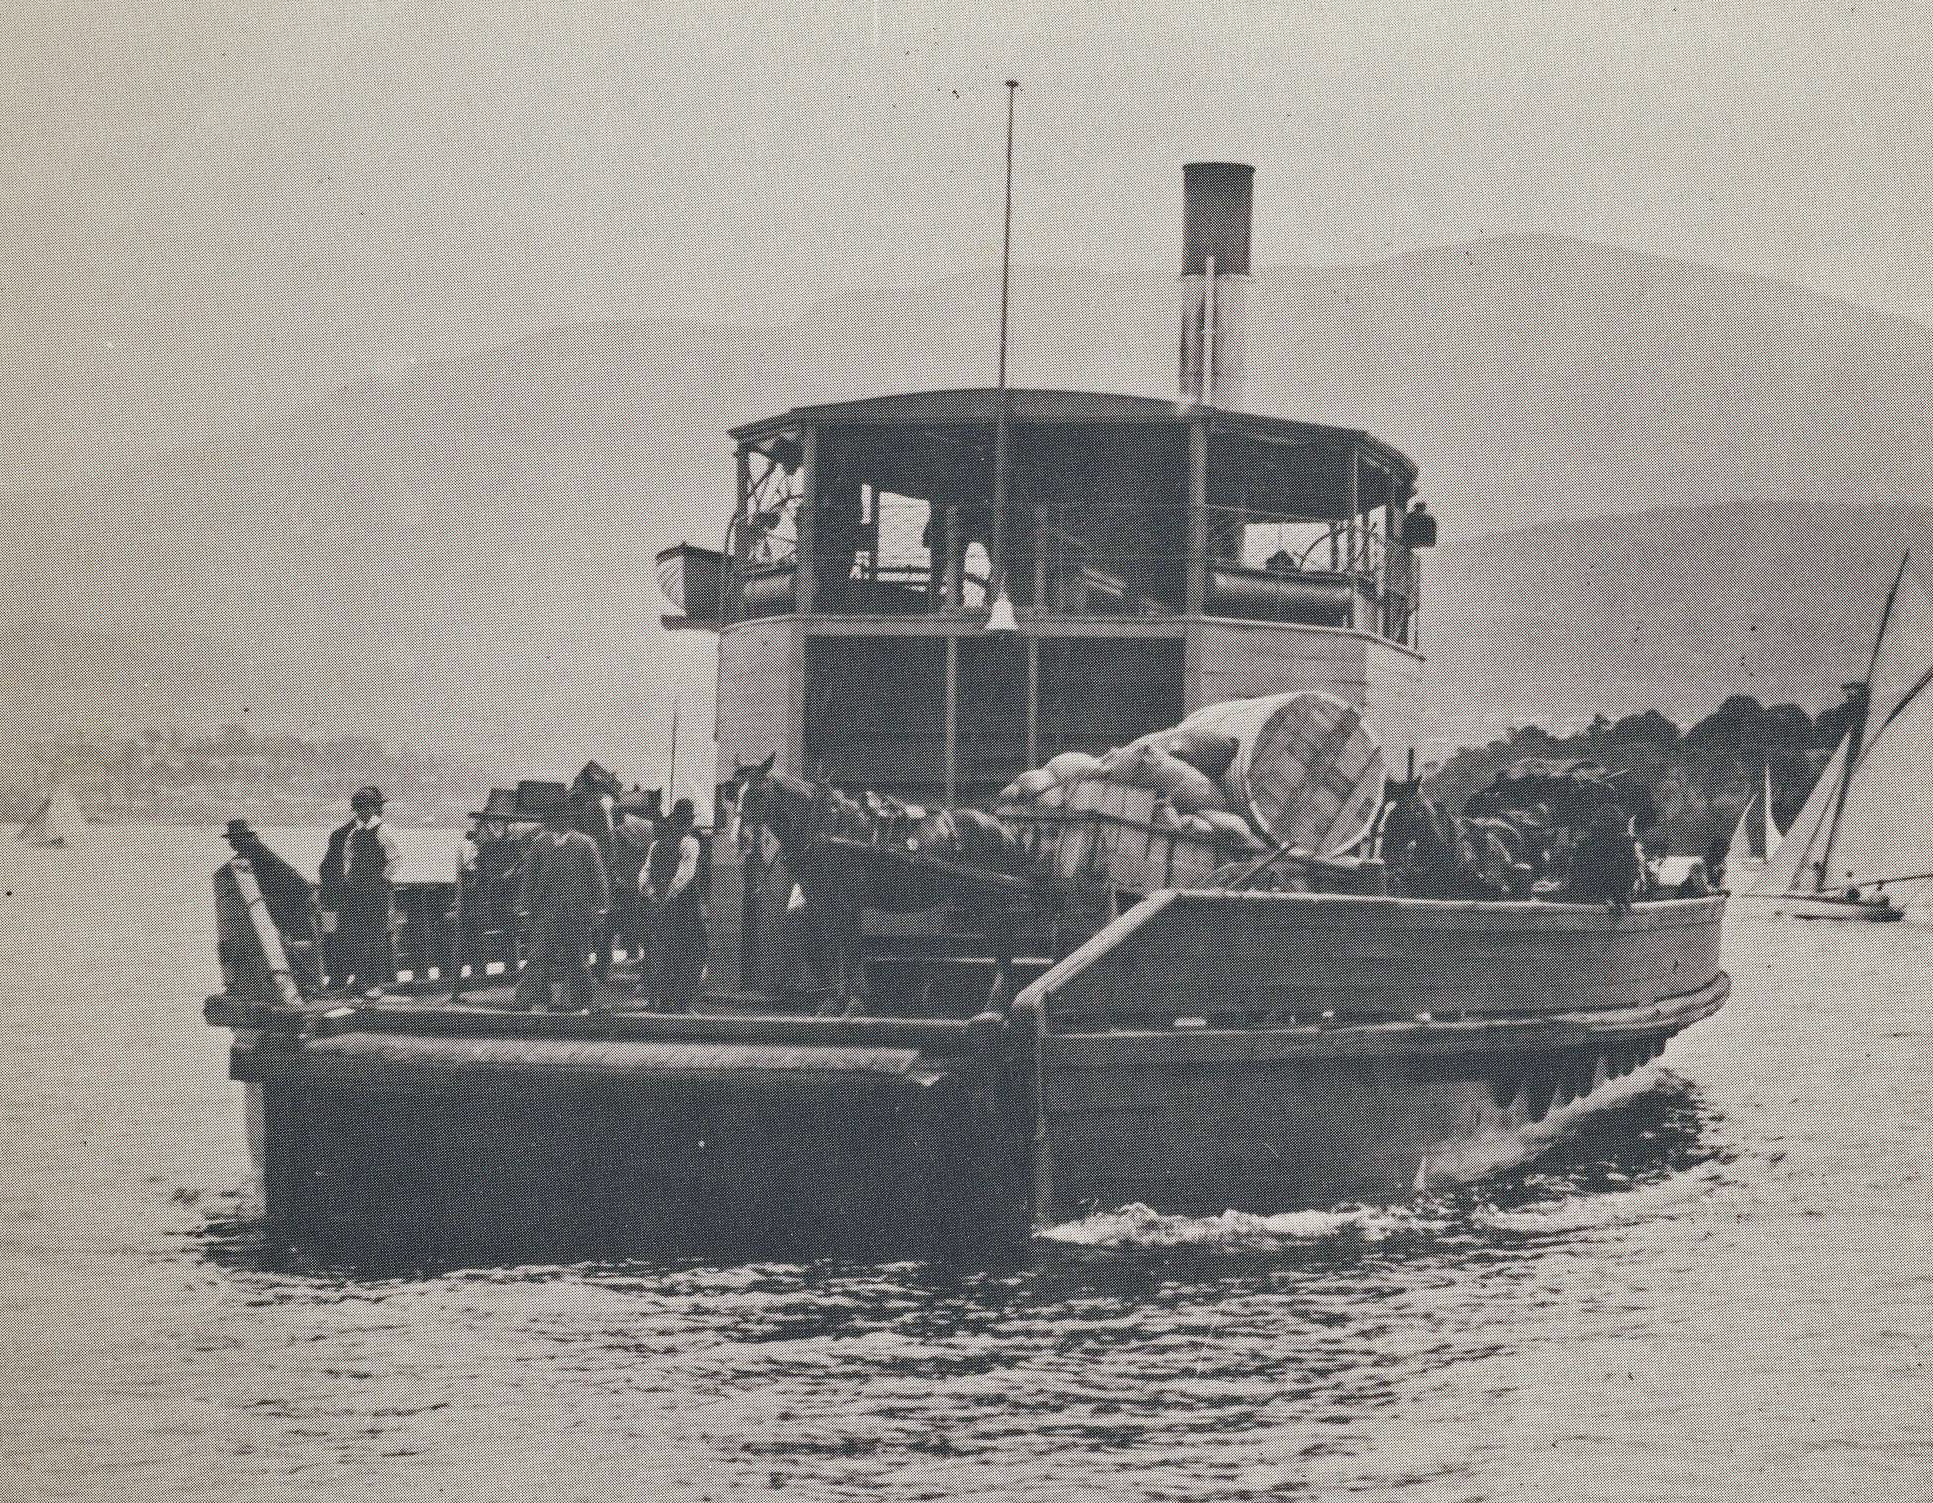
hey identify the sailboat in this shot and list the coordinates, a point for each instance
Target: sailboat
(1864, 841)
(1754, 840)
(57, 822)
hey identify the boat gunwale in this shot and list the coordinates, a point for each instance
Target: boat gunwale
(1416, 1037)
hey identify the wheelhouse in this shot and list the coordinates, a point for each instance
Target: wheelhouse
(1156, 556)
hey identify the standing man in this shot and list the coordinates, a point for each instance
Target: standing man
(679, 945)
(564, 897)
(290, 902)
(358, 873)
(635, 828)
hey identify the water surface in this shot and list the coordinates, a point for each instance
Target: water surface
(1722, 1290)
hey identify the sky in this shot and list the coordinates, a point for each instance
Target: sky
(214, 212)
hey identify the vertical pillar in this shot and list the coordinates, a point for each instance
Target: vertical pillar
(729, 600)
(1041, 531)
(952, 718)
(807, 570)
(955, 588)
(1353, 490)
(1197, 517)
(1033, 700)
(869, 512)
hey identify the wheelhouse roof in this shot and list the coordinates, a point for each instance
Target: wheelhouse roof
(978, 406)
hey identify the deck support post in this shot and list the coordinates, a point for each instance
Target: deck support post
(731, 603)
(805, 571)
(1197, 562)
(954, 587)
(1033, 700)
(1354, 491)
(952, 718)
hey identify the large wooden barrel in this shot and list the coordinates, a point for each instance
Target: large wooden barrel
(1307, 771)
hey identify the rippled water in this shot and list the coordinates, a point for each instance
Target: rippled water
(1722, 1290)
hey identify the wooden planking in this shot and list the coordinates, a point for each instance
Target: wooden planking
(1182, 961)
(756, 690)
(1207, 953)
(1392, 699)
(1241, 659)
(1111, 1071)
(932, 1036)
(1136, 1001)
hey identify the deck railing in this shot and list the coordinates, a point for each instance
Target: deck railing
(1091, 558)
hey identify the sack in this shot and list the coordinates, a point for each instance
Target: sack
(980, 837)
(1187, 788)
(1071, 766)
(1031, 785)
(1209, 752)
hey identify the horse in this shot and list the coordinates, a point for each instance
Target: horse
(842, 882)
(1432, 853)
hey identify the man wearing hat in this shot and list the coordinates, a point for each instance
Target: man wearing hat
(289, 899)
(564, 896)
(633, 829)
(358, 871)
(679, 944)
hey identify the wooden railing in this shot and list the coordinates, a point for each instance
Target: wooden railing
(1239, 960)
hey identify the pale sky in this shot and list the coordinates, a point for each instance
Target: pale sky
(216, 212)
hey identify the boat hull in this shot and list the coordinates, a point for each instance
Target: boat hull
(1272, 1052)
(1835, 910)
(1205, 1051)
(1372, 1119)
(431, 1133)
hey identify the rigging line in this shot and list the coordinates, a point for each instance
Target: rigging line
(1857, 752)
(1905, 700)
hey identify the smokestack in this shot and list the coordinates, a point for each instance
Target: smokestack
(1216, 216)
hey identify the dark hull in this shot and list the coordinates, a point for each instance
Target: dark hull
(1266, 1052)
(1207, 1051)
(1208, 1134)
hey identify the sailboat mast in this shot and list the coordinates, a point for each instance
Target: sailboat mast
(1858, 732)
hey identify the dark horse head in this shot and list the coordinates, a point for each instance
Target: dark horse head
(1431, 853)
(1417, 835)
(759, 798)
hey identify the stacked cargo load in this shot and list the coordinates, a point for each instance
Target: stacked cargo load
(1296, 775)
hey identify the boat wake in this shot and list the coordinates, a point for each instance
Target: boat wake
(1651, 1157)
(1140, 1226)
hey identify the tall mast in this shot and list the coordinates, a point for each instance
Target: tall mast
(1858, 732)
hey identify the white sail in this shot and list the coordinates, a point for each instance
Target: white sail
(1773, 835)
(56, 822)
(1738, 855)
(1886, 828)
(1788, 869)
(1880, 830)
(1903, 655)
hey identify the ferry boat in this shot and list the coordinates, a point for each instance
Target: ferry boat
(915, 598)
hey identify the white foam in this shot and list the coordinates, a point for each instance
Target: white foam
(1142, 1226)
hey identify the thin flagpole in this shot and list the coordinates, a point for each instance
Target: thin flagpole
(1002, 437)
(671, 778)
(1006, 233)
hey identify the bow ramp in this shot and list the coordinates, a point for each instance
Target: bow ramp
(438, 1129)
